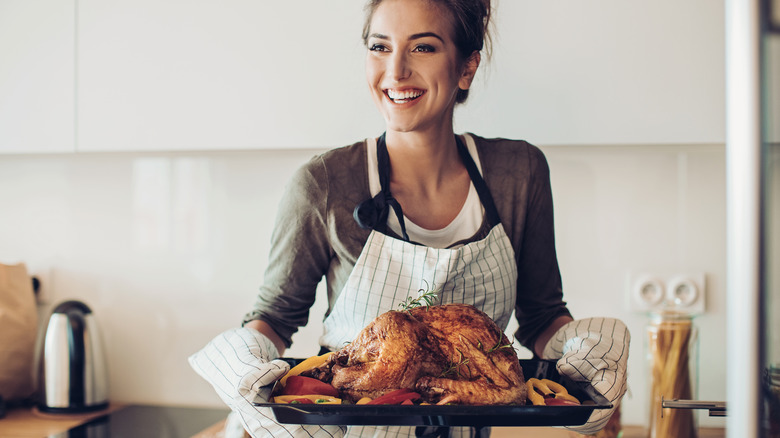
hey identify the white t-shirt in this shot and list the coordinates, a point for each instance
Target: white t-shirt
(463, 227)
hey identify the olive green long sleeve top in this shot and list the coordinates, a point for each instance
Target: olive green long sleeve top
(316, 236)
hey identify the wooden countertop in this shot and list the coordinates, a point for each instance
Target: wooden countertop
(118, 419)
(30, 422)
(216, 431)
(550, 432)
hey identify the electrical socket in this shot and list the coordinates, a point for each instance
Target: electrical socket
(667, 291)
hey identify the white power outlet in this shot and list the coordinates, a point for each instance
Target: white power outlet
(667, 291)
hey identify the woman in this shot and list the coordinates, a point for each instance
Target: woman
(418, 206)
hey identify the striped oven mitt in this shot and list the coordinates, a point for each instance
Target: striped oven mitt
(593, 350)
(241, 365)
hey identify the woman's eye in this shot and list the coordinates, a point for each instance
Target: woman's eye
(377, 47)
(425, 48)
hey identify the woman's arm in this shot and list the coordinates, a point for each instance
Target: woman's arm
(540, 308)
(299, 257)
(545, 336)
(519, 180)
(264, 328)
(314, 235)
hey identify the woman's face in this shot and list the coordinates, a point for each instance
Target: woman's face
(413, 67)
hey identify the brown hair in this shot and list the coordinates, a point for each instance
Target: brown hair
(470, 21)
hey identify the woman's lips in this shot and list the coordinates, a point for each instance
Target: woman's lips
(403, 96)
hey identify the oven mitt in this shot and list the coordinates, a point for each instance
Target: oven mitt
(241, 365)
(593, 350)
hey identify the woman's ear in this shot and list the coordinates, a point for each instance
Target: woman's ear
(469, 71)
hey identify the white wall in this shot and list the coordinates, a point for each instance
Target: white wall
(168, 249)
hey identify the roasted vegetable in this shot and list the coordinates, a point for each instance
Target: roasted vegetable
(545, 392)
(300, 385)
(396, 397)
(308, 399)
(307, 364)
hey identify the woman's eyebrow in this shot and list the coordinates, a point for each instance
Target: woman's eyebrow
(415, 36)
(426, 34)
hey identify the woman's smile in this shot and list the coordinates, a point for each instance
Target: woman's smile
(403, 96)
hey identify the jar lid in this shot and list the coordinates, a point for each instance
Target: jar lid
(671, 315)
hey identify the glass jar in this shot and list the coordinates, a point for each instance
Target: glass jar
(672, 346)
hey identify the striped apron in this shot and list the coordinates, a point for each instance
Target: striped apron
(388, 270)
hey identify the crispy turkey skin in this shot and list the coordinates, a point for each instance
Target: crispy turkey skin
(452, 350)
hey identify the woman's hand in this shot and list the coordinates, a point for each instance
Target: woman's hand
(241, 365)
(593, 350)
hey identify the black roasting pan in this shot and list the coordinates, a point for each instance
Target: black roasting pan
(453, 415)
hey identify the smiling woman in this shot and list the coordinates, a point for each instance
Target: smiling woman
(414, 67)
(415, 211)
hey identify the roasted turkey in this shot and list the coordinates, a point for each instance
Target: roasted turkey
(453, 352)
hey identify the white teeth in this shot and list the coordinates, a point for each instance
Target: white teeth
(403, 96)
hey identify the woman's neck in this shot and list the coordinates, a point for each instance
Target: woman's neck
(427, 176)
(422, 157)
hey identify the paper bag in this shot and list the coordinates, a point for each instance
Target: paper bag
(18, 332)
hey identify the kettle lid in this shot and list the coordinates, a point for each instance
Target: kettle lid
(72, 305)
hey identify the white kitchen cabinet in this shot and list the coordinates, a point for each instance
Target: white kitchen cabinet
(245, 74)
(236, 74)
(37, 76)
(604, 72)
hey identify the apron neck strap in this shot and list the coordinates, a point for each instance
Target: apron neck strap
(383, 161)
(479, 184)
(372, 213)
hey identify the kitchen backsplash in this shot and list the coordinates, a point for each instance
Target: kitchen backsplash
(169, 248)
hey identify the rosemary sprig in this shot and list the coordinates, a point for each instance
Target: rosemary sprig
(427, 295)
(454, 368)
(498, 346)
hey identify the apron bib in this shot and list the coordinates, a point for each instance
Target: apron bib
(388, 270)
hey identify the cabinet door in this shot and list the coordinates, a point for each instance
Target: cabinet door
(232, 74)
(604, 72)
(243, 74)
(37, 76)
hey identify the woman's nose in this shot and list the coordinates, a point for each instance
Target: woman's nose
(399, 66)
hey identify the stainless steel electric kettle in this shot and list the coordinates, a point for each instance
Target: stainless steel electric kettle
(74, 377)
